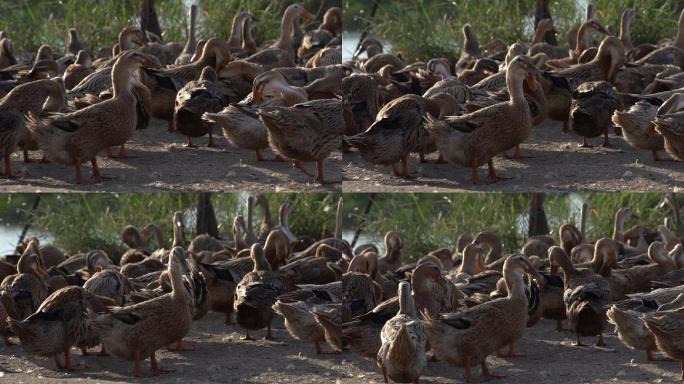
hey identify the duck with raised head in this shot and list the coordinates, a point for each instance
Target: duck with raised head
(79, 70)
(475, 138)
(137, 331)
(6, 54)
(402, 355)
(74, 137)
(282, 53)
(191, 43)
(465, 338)
(586, 294)
(582, 47)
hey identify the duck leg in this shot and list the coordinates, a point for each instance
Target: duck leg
(600, 342)
(180, 347)
(606, 141)
(487, 374)
(474, 176)
(492, 172)
(8, 167)
(466, 367)
(560, 327)
(298, 164)
(103, 351)
(229, 319)
(211, 143)
(58, 364)
(84, 351)
(404, 166)
(511, 352)
(384, 372)
(96, 172)
(155, 368)
(517, 154)
(319, 172)
(395, 170)
(269, 334)
(67, 359)
(189, 144)
(247, 336)
(121, 155)
(27, 158)
(579, 342)
(320, 350)
(585, 143)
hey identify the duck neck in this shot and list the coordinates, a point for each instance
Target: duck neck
(248, 42)
(583, 34)
(126, 41)
(514, 283)
(560, 258)
(55, 98)
(286, 30)
(178, 236)
(250, 212)
(260, 262)
(539, 34)
(471, 45)
(469, 264)
(515, 89)
(235, 38)
(338, 220)
(121, 79)
(626, 31)
(406, 305)
(191, 44)
(619, 227)
(178, 290)
(679, 40)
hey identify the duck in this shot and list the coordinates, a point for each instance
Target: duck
(666, 327)
(192, 101)
(560, 84)
(584, 39)
(465, 338)
(475, 138)
(255, 295)
(137, 331)
(307, 131)
(638, 128)
(59, 323)
(27, 288)
(592, 109)
(672, 54)
(240, 121)
(301, 322)
(282, 53)
(73, 137)
(11, 130)
(79, 70)
(361, 100)
(7, 58)
(585, 295)
(316, 40)
(626, 316)
(669, 123)
(403, 339)
(106, 281)
(471, 49)
(6, 310)
(470, 264)
(191, 43)
(74, 43)
(165, 83)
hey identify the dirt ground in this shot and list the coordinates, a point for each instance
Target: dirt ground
(160, 163)
(220, 356)
(557, 164)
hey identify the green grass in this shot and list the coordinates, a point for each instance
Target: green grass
(31, 23)
(80, 222)
(424, 29)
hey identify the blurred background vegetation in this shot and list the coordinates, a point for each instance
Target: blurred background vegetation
(80, 222)
(31, 23)
(423, 29)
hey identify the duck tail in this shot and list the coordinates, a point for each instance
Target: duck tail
(51, 140)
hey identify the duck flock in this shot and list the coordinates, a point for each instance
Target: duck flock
(281, 95)
(490, 100)
(442, 307)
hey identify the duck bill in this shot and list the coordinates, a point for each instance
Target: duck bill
(256, 99)
(532, 82)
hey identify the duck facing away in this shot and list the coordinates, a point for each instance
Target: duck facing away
(402, 353)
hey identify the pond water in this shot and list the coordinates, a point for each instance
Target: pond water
(9, 235)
